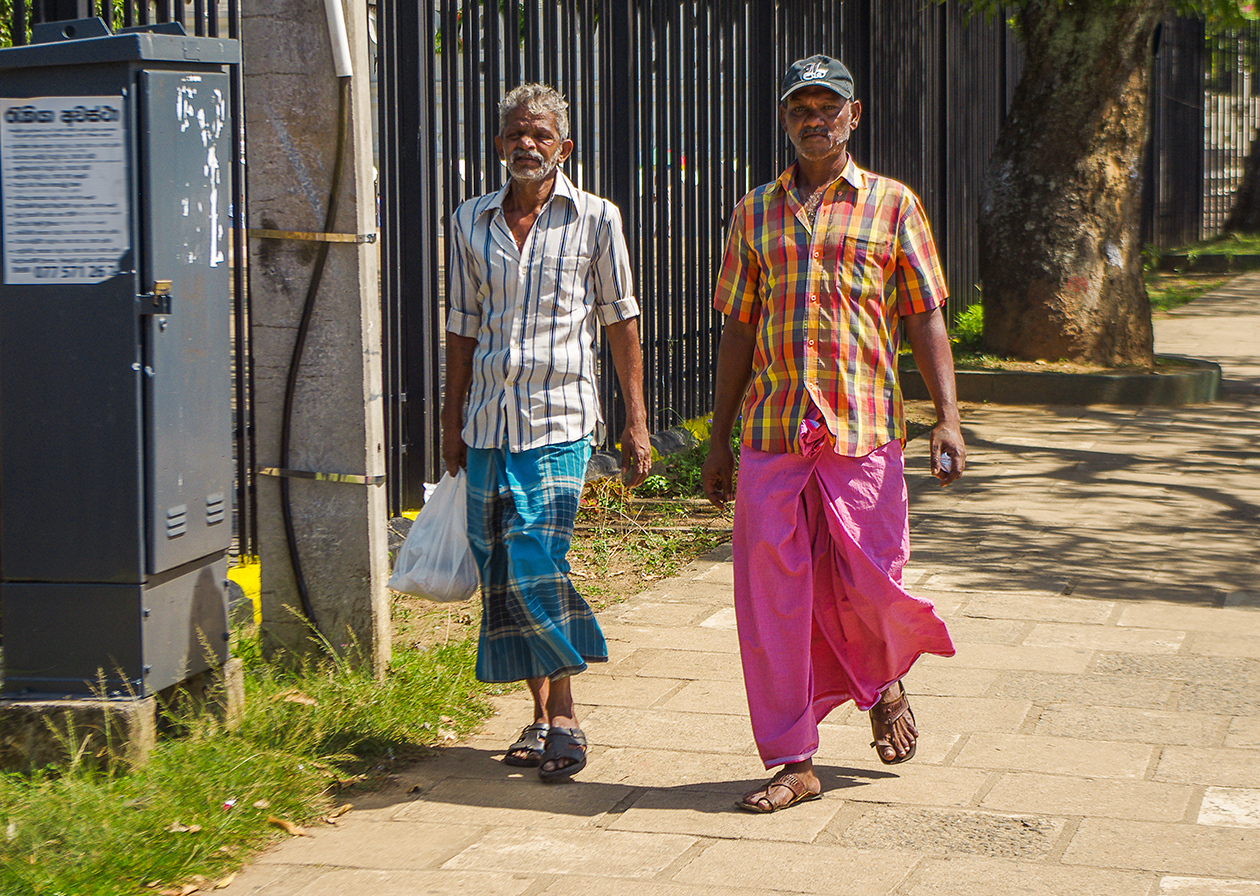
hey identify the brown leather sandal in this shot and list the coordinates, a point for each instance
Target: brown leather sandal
(791, 782)
(886, 714)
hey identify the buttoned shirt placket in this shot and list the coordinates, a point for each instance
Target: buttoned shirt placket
(519, 299)
(813, 293)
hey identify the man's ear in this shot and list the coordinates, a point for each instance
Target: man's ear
(855, 112)
(566, 150)
(498, 147)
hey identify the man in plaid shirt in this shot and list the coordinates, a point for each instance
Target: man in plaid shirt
(823, 268)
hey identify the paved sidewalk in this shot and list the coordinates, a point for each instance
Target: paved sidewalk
(1097, 733)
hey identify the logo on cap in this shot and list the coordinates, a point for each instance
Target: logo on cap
(813, 71)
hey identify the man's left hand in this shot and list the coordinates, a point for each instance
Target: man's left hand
(636, 454)
(947, 442)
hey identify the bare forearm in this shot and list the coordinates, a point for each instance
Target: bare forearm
(734, 371)
(627, 357)
(929, 341)
(459, 360)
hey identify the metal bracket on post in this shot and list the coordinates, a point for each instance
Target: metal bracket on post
(159, 300)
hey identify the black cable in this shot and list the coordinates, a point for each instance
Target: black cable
(299, 346)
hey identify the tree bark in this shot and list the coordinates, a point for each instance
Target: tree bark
(1060, 240)
(1244, 217)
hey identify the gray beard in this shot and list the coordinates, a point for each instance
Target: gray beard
(533, 175)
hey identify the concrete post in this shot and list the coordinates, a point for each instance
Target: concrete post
(291, 108)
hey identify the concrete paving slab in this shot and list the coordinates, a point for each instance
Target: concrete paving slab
(1203, 886)
(944, 680)
(613, 853)
(851, 744)
(1038, 607)
(723, 619)
(1095, 690)
(1237, 696)
(1056, 756)
(618, 726)
(1188, 849)
(959, 715)
(1226, 644)
(940, 833)
(666, 767)
(273, 879)
(1133, 725)
(713, 814)
(1244, 733)
(526, 802)
(1230, 807)
(692, 637)
(578, 885)
(1237, 620)
(1022, 658)
(1098, 637)
(724, 697)
(916, 784)
(383, 845)
(1000, 877)
(680, 612)
(692, 665)
(622, 690)
(1187, 668)
(340, 882)
(969, 630)
(1073, 796)
(1223, 767)
(814, 868)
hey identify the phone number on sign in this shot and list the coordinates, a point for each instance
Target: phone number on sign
(73, 271)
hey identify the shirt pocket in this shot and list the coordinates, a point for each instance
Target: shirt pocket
(562, 285)
(862, 266)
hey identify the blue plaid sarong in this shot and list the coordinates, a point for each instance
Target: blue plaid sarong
(521, 508)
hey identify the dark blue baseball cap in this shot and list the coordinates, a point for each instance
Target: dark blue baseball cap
(817, 71)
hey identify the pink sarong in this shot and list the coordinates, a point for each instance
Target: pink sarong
(819, 544)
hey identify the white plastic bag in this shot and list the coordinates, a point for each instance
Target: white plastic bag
(435, 561)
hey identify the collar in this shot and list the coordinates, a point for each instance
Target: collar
(564, 187)
(855, 176)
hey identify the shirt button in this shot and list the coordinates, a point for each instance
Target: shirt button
(811, 342)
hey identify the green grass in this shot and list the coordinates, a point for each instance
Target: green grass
(306, 734)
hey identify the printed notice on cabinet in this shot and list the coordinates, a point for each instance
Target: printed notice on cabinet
(63, 186)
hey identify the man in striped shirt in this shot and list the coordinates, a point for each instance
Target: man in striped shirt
(533, 269)
(823, 268)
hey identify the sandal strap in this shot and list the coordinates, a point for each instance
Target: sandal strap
(887, 712)
(791, 781)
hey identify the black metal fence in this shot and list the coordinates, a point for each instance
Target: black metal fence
(203, 18)
(675, 117)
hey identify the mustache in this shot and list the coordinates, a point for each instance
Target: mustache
(532, 155)
(815, 132)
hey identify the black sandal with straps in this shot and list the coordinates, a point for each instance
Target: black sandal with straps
(532, 743)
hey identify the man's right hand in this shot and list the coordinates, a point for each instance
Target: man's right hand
(454, 451)
(717, 476)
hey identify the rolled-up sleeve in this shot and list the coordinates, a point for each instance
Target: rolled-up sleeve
(611, 271)
(463, 318)
(919, 278)
(736, 290)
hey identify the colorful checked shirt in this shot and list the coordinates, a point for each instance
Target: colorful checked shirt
(532, 311)
(827, 299)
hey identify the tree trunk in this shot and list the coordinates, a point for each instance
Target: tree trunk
(1244, 217)
(1060, 240)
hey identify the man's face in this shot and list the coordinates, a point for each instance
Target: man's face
(531, 146)
(819, 121)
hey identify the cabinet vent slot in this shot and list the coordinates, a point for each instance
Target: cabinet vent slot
(215, 509)
(176, 520)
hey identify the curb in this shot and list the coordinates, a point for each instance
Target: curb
(1201, 385)
(1200, 263)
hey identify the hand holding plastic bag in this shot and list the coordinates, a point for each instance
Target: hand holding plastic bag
(435, 561)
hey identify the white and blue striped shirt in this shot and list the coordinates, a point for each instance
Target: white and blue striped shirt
(532, 311)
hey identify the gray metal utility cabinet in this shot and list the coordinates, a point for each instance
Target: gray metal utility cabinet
(115, 393)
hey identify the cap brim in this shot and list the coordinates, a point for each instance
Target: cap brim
(836, 90)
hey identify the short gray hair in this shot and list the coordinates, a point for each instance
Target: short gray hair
(537, 99)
